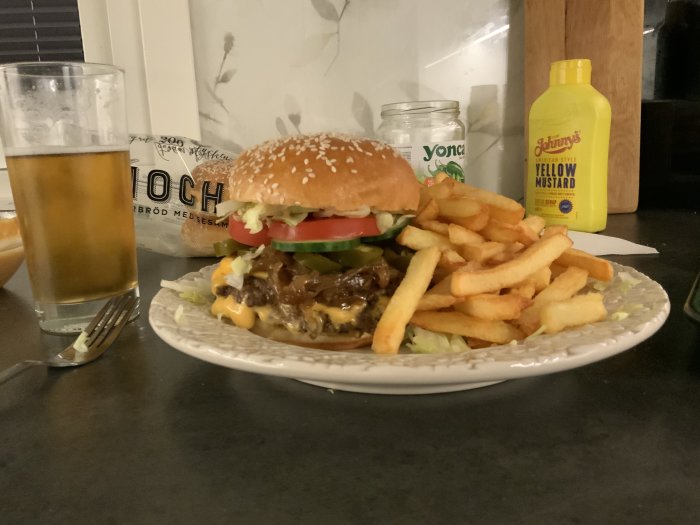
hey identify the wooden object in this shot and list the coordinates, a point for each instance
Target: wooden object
(609, 33)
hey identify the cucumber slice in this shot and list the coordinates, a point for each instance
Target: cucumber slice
(390, 233)
(315, 246)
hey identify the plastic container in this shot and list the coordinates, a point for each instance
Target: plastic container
(428, 134)
(569, 137)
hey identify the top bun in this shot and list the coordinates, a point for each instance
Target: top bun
(325, 171)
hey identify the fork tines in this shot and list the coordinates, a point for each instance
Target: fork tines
(110, 320)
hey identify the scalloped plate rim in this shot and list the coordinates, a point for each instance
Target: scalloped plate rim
(404, 370)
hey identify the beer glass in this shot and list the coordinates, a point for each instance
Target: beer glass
(63, 128)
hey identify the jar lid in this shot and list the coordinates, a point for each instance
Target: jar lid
(419, 106)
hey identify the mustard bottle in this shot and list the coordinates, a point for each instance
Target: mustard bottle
(569, 137)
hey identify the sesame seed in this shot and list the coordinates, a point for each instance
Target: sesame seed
(305, 180)
(353, 171)
(309, 170)
(349, 160)
(306, 161)
(294, 169)
(333, 169)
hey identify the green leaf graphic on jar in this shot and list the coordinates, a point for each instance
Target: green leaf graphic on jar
(453, 169)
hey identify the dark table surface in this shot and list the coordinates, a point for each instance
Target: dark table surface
(149, 435)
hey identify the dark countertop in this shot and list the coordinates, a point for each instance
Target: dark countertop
(149, 435)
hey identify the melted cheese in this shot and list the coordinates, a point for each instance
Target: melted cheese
(241, 315)
(218, 278)
(338, 316)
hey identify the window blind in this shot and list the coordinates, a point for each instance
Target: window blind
(40, 30)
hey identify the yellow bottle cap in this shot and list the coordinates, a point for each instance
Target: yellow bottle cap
(577, 71)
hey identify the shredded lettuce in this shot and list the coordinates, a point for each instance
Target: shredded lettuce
(255, 215)
(625, 310)
(627, 281)
(385, 221)
(537, 332)
(179, 312)
(240, 267)
(619, 315)
(226, 208)
(80, 343)
(423, 341)
(197, 291)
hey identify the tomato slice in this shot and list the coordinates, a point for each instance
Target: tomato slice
(240, 233)
(331, 228)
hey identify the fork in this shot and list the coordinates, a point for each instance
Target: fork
(99, 335)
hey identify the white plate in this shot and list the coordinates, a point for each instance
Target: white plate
(202, 336)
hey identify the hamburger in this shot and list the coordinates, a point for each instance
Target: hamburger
(201, 230)
(312, 219)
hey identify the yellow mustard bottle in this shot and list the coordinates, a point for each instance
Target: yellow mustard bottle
(569, 137)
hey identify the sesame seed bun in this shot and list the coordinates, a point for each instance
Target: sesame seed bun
(325, 171)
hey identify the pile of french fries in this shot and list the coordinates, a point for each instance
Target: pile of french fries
(485, 272)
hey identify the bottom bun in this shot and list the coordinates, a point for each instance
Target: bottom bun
(323, 342)
(198, 236)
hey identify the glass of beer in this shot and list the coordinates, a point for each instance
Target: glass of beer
(66, 145)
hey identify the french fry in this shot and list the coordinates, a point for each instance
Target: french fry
(597, 268)
(441, 190)
(493, 307)
(451, 260)
(441, 176)
(535, 223)
(461, 235)
(418, 239)
(482, 251)
(562, 287)
(433, 301)
(467, 326)
(501, 207)
(540, 279)
(475, 223)
(505, 275)
(554, 229)
(438, 296)
(436, 226)
(508, 254)
(458, 207)
(526, 290)
(429, 212)
(402, 305)
(576, 311)
(475, 343)
(496, 230)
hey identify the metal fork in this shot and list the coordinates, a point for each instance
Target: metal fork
(101, 333)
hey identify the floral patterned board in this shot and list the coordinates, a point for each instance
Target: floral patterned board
(202, 336)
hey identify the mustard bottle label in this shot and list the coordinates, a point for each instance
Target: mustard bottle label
(555, 168)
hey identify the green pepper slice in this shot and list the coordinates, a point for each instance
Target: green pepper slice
(316, 261)
(228, 247)
(399, 261)
(362, 255)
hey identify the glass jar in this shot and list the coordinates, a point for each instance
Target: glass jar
(428, 134)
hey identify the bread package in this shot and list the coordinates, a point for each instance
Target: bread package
(176, 185)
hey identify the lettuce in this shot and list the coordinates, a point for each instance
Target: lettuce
(423, 341)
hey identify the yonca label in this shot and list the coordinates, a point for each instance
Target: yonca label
(429, 159)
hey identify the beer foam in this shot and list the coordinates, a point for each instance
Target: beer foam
(61, 150)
